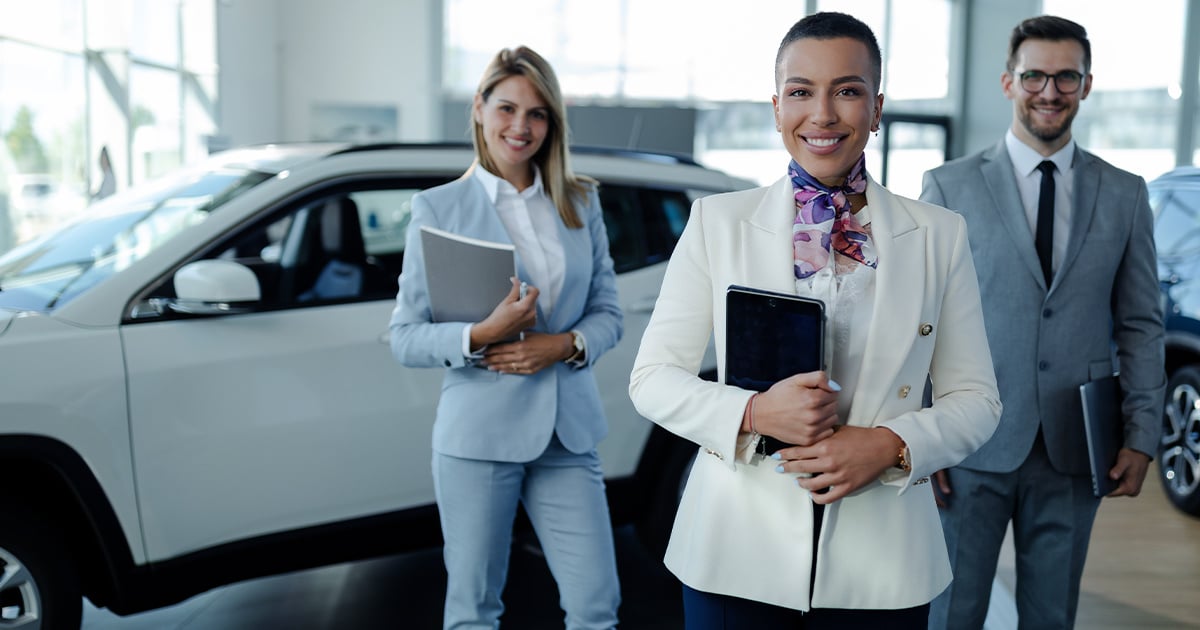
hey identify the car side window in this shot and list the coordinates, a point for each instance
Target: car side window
(1177, 224)
(340, 245)
(643, 223)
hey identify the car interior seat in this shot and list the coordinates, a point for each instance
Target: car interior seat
(345, 269)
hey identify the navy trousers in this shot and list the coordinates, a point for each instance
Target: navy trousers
(707, 611)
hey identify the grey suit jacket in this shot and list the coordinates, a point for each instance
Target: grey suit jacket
(1045, 343)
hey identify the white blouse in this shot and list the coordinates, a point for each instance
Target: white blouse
(847, 287)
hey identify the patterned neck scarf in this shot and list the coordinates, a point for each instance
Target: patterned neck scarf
(824, 223)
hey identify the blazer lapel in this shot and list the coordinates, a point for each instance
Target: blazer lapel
(1087, 192)
(1006, 200)
(577, 277)
(899, 295)
(767, 241)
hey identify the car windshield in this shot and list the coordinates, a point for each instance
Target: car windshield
(113, 234)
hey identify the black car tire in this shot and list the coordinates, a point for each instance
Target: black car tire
(44, 587)
(1179, 450)
(654, 526)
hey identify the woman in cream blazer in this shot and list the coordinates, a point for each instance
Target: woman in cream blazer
(745, 523)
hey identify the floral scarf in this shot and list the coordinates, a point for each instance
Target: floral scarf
(824, 223)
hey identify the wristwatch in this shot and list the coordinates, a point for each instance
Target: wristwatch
(577, 342)
(904, 459)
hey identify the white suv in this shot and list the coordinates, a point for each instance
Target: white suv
(184, 405)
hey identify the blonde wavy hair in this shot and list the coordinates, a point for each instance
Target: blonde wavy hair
(553, 159)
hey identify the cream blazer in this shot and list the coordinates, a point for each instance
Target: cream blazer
(743, 529)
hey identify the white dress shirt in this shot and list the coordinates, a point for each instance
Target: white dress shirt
(1029, 181)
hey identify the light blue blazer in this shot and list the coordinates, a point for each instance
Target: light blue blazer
(504, 417)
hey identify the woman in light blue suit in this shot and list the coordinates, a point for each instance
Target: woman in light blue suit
(520, 421)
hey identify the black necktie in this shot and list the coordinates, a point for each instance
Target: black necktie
(1044, 241)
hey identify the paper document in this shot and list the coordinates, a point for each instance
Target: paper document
(467, 277)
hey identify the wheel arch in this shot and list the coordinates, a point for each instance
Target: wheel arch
(1182, 349)
(55, 481)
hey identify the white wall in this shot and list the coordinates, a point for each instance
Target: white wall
(279, 58)
(248, 72)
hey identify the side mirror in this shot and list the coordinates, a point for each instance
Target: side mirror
(214, 287)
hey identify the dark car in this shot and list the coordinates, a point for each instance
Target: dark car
(1175, 198)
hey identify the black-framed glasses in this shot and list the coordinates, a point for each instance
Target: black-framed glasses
(1066, 82)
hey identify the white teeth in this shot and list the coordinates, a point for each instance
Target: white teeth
(517, 143)
(823, 142)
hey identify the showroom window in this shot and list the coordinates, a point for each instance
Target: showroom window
(621, 54)
(1132, 114)
(82, 77)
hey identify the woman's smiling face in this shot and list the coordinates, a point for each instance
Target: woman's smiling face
(515, 122)
(826, 105)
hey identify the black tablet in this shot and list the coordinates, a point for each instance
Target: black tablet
(770, 336)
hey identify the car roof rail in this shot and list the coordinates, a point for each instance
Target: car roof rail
(661, 157)
(386, 146)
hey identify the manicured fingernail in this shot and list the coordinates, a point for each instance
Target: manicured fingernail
(776, 456)
(834, 385)
(779, 468)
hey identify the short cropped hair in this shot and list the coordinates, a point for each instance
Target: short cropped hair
(831, 25)
(1052, 28)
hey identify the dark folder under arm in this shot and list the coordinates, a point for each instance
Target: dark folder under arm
(1104, 424)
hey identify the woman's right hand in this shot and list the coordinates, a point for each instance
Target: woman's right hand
(511, 316)
(800, 409)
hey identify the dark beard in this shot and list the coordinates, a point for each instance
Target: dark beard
(1043, 133)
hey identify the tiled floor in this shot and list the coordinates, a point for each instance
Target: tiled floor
(1143, 573)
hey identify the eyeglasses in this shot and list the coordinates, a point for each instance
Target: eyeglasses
(1066, 82)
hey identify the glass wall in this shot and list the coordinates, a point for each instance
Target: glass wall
(715, 56)
(1132, 114)
(83, 77)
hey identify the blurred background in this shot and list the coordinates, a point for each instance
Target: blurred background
(156, 84)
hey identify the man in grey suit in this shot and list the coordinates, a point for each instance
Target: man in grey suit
(1067, 274)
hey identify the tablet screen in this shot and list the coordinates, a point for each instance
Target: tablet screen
(770, 336)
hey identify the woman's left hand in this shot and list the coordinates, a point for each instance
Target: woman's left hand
(844, 462)
(534, 353)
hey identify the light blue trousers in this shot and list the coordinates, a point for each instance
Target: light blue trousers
(563, 494)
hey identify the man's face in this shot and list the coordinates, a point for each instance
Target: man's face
(1043, 119)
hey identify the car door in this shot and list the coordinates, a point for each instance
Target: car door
(292, 413)
(644, 221)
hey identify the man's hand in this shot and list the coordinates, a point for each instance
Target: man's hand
(1130, 472)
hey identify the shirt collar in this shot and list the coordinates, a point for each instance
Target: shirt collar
(1025, 160)
(493, 184)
